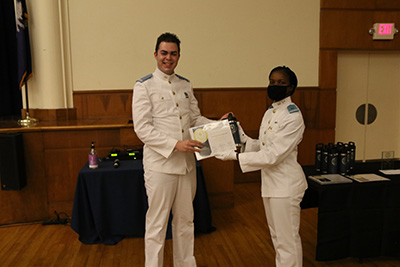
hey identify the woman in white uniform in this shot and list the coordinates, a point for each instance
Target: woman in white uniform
(275, 153)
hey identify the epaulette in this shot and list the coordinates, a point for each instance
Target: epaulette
(145, 78)
(182, 78)
(293, 108)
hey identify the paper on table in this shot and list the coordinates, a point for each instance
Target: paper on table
(216, 137)
(391, 172)
(330, 179)
(367, 177)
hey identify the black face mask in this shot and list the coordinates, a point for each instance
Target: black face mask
(277, 92)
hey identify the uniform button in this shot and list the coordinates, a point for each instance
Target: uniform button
(177, 104)
(173, 93)
(162, 98)
(263, 143)
(183, 131)
(269, 121)
(169, 82)
(274, 111)
(265, 132)
(165, 77)
(180, 117)
(269, 128)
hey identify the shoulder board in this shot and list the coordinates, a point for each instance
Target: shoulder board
(145, 78)
(293, 108)
(182, 78)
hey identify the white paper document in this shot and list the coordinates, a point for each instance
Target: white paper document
(330, 179)
(216, 137)
(367, 177)
(391, 172)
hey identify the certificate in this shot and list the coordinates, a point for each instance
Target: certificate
(216, 137)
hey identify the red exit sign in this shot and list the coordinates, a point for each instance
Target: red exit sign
(383, 31)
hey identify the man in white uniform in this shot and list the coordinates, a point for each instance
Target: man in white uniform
(275, 153)
(163, 110)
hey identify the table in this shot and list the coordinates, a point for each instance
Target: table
(111, 203)
(358, 219)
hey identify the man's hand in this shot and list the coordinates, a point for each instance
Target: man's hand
(188, 146)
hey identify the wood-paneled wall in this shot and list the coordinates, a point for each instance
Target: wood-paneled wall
(103, 104)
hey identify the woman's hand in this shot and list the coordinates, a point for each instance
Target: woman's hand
(226, 115)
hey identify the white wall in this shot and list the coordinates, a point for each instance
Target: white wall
(47, 86)
(224, 43)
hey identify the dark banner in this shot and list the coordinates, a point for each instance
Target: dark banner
(15, 63)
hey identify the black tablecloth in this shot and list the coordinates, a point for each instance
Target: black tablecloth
(111, 203)
(358, 219)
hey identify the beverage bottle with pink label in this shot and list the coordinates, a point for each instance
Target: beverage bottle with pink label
(93, 158)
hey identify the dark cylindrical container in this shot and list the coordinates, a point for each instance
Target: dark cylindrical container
(332, 159)
(318, 156)
(234, 128)
(352, 147)
(348, 156)
(324, 159)
(342, 159)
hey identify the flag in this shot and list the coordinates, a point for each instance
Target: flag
(24, 63)
(10, 96)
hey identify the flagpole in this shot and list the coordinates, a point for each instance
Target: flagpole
(23, 56)
(28, 121)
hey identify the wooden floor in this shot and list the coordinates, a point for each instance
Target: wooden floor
(241, 239)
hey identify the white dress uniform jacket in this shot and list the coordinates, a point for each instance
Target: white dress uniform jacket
(275, 152)
(163, 110)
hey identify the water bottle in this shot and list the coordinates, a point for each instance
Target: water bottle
(332, 158)
(324, 159)
(342, 159)
(348, 156)
(352, 147)
(318, 156)
(93, 157)
(234, 129)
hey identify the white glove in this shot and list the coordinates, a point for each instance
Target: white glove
(243, 136)
(228, 155)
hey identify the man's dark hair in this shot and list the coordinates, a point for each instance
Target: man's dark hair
(288, 73)
(168, 38)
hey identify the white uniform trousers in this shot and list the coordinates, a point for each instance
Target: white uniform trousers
(283, 216)
(166, 191)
